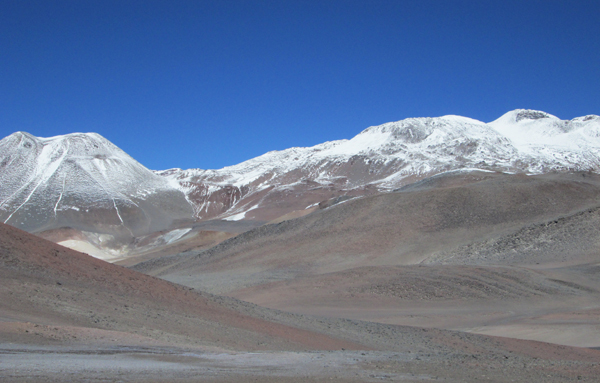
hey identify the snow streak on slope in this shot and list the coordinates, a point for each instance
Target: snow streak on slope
(388, 156)
(82, 181)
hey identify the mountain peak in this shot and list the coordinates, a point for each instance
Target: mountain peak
(528, 114)
(524, 115)
(20, 134)
(46, 181)
(586, 119)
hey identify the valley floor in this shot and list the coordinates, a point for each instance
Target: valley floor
(22, 363)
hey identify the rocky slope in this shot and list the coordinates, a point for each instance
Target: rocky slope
(415, 225)
(69, 293)
(510, 255)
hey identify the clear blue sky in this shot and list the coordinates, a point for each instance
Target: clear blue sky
(212, 83)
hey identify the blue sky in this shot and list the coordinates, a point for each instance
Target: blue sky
(213, 83)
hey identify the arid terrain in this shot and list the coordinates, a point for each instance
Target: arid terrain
(463, 278)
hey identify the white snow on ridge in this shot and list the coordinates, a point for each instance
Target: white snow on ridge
(545, 129)
(425, 143)
(389, 155)
(86, 170)
(368, 141)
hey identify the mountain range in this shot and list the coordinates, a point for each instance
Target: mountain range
(421, 249)
(386, 157)
(81, 190)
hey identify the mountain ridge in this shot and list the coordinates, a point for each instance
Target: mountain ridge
(83, 181)
(394, 154)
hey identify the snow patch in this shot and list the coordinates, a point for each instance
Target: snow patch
(236, 217)
(175, 235)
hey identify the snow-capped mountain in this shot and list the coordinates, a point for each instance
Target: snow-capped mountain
(385, 157)
(83, 181)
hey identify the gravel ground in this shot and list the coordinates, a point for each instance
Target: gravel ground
(19, 363)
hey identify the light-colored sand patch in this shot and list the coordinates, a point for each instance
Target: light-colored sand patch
(88, 248)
